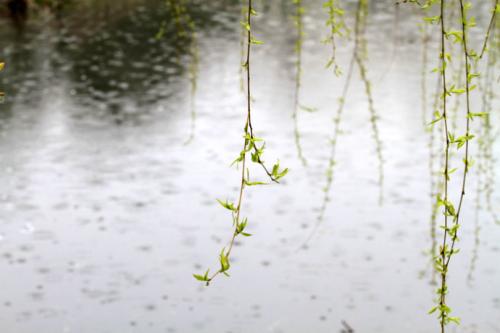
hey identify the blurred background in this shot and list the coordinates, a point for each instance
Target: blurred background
(111, 162)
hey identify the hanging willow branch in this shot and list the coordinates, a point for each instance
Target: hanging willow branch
(330, 172)
(185, 32)
(299, 24)
(435, 186)
(451, 214)
(488, 137)
(423, 75)
(485, 174)
(444, 252)
(250, 146)
(491, 27)
(358, 55)
(337, 28)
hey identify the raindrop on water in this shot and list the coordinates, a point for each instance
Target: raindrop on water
(28, 228)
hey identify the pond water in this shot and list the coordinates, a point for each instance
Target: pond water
(106, 211)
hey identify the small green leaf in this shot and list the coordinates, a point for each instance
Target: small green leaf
(199, 277)
(308, 109)
(228, 205)
(203, 277)
(245, 25)
(431, 311)
(256, 41)
(248, 183)
(224, 261)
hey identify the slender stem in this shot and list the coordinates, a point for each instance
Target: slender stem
(423, 82)
(298, 77)
(359, 55)
(242, 52)
(356, 59)
(479, 189)
(442, 301)
(467, 134)
(436, 187)
(249, 144)
(337, 27)
(488, 137)
(374, 125)
(491, 27)
(331, 161)
(248, 131)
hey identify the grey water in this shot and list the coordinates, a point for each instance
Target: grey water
(106, 211)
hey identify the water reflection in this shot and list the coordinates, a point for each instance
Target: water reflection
(106, 54)
(18, 12)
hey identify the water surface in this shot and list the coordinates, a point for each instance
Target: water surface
(106, 212)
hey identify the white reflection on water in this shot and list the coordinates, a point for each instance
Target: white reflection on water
(105, 213)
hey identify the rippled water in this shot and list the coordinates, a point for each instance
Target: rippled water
(106, 212)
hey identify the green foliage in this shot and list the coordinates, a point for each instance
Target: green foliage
(451, 213)
(277, 172)
(338, 28)
(358, 58)
(203, 277)
(228, 205)
(486, 169)
(460, 89)
(360, 54)
(495, 12)
(252, 146)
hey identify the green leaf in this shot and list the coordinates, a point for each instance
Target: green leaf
(203, 277)
(228, 205)
(224, 261)
(256, 41)
(282, 174)
(308, 109)
(248, 183)
(240, 227)
(245, 25)
(431, 311)
(276, 173)
(252, 138)
(199, 277)
(437, 117)
(472, 115)
(457, 34)
(239, 158)
(432, 19)
(457, 91)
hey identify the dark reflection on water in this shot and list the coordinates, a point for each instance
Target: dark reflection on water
(107, 53)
